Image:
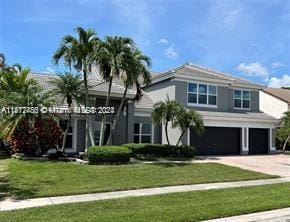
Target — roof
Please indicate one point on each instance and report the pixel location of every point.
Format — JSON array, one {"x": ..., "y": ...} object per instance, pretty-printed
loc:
[
  {"x": 95, "y": 86},
  {"x": 282, "y": 94},
  {"x": 145, "y": 102},
  {"x": 190, "y": 70},
  {"x": 242, "y": 116}
]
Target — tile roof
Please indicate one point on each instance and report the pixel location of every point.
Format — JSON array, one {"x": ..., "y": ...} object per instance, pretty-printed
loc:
[
  {"x": 95, "y": 85},
  {"x": 282, "y": 94},
  {"x": 190, "y": 69},
  {"x": 145, "y": 102}
]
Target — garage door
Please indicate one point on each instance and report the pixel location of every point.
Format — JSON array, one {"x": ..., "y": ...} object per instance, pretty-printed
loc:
[
  {"x": 217, "y": 141},
  {"x": 258, "y": 141}
]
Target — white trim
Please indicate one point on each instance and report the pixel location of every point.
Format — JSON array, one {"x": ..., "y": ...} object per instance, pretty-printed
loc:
[
  {"x": 140, "y": 134},
  {"x": 242, "y": 90},
  {"x": 197, "y": 104}
]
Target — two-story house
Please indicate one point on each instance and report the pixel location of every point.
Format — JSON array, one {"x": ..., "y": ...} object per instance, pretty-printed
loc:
[{"x": 229, "y": 106}]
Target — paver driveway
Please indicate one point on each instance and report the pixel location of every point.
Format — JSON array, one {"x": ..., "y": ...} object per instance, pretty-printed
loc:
[{"x": 269, "y": 164}]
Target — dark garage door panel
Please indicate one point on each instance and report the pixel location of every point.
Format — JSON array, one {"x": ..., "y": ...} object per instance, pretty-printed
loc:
[
  {"x": 217, "y": 141},
  {"x": 258, "y": 141}
]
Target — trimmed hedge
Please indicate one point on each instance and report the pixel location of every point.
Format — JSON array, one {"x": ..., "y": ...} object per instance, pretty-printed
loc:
[
  {"x": 108, "y": 154},
  {"x": 162, "y": 150}
]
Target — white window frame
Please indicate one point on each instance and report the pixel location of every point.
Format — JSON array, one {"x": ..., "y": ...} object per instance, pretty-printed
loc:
[
  {"x": 242, "y": 99},
  {"x": 140, "y": 132},
  {"x": 207, "y": 95}
]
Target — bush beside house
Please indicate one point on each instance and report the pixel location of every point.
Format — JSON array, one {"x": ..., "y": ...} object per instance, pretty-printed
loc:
[
  {"x": 162, "y": 150},
  {"x": 109, "y": 154}
]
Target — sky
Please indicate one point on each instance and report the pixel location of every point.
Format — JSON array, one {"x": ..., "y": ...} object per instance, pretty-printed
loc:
[{"x": 247, "y": 38}]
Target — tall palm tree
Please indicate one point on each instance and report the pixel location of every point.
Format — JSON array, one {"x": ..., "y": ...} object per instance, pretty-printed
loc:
[
  {"x": 165, "y": 112},
  {"x": 110, "y": 59},
  {"x": 78, "y": 52},
  {"x": 135, "y": 65},
  {"x": 69, "y": 88},
  {"x": 187, "y": 118}
]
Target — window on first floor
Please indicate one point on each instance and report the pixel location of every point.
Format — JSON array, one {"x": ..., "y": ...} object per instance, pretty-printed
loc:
[
  {"x": 142, "y": 133},
  {"x": 202, "y": 94},
  {"x": 69, "y": 137},
  {"x": 241, "y": 99}
]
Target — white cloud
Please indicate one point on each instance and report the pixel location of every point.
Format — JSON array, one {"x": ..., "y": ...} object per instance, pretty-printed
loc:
[
  {"x": 253, "y": 69},
  {"x": 279, "y": 82},
  {"x": 163, "y": 41},
  {"x": 49, "y": 70},
  {"x": 232, "y": 17},
  {"x": 276, "y": 65},
  {"x": 171, "y": 52}
]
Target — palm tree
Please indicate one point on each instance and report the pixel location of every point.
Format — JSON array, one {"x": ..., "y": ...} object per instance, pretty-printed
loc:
[
  {"x": 16, "y": 90},
  {"x": 110, "y": 59},
  {"x": 164, "y": 112},
  {"x": 68, "y": 87},
  {"x": 187, "y": 118},
  {"x": 135, "y": 64},
  {"x": 283, "y": 133},
  {"x": 78, "y": 52}
]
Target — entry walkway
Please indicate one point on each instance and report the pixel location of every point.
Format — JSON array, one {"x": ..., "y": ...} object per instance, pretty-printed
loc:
[
  {"x": 280, "y": 215},
  {"x": 37, "y": 202}
]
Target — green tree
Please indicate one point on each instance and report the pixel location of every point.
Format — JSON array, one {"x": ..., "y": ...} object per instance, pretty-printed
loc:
[
  {"x": 110, "y": 57},
  {"x": 69, "y": 88},
  {"x": 187, "y": 118},
  {"x": 135, "y": 65},
  {"x": 283, "y": 133},
  {"x": 78, "y": 52},
  {"x": 165, "y": 112},
  {"x": 17, "y": 90}
]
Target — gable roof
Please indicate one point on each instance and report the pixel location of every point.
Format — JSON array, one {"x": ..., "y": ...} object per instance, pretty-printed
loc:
[
  {"x": 282, "y": 94},
  {"x": 189, "y": 70}
]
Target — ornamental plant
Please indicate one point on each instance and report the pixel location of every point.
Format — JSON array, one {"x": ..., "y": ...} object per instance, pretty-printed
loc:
[{"x": 35, "y": 138}]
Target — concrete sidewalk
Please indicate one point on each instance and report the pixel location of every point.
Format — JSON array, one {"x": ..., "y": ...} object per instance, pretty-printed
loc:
[
  {"x": 280, "y": 215},
  {"x": 37, "y": 202}
]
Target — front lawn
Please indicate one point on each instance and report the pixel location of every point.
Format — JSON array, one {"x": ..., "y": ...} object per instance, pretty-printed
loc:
[
  {"x": 177, "y": 207},
  {"x": 30, "y": 179}
]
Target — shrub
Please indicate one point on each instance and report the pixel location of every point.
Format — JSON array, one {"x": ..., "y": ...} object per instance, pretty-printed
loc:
[
  {"x": 38, "y": 138},
  {"x": 108, "y": 154},
  {"x": 162, "y": 150}
]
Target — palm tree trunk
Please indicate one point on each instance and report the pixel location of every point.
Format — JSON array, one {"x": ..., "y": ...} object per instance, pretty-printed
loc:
[
  {"x": 166, "y": 132},
  {"x": 88, "y": 128},
  {"x": 109, "y": 142},
  {"x": 67, "y": 129},
  {"x": 180, "y": 137},
  {"x": 104, "y": 120},
  {"x": 285, "y": 143}
]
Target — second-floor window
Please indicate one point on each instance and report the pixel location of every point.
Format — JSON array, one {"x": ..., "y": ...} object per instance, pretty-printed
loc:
[
  {"x": 202, "y": 94},
  {"x": 241, "y": 99}
]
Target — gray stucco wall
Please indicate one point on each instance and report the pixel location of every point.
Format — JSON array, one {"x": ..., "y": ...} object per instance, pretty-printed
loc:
[
  {"x": 224, "y": 100},
  {"x": 159, "y": 85}
]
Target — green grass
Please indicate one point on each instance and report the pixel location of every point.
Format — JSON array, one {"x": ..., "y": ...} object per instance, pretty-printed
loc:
[
  {"x": 30, "y": 179},
  {"x": 189, "y": 206}
]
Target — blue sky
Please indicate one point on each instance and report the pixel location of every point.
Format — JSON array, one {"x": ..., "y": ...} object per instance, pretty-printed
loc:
[{"x": 247, "y": 38}]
